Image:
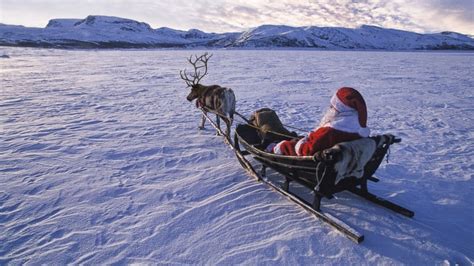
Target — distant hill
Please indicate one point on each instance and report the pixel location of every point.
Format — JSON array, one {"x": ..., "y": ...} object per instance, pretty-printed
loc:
[{"x": 114, "y": 32}]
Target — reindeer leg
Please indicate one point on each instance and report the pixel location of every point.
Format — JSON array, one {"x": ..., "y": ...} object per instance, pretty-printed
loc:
[
  {"x": 203, "y": 120},
  {"x": 228, "y": 123},
  {"x": 231, "y": 120},
  {"x": 218, "y": 122}
]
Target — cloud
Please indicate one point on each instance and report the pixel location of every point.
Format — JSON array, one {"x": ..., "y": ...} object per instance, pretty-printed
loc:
[
  {"x": 462, "y": 8},
  {"x": 454, "y": 15},
  {"x": 305, "y": 13},
  {"x": 238, "y": 15}
]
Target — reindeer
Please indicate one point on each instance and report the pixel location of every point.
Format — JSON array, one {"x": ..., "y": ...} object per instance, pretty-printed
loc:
[{"x": 215, "y": 99}]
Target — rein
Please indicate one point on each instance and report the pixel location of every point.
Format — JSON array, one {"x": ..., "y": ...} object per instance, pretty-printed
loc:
[{"x": 273, "y": 132}]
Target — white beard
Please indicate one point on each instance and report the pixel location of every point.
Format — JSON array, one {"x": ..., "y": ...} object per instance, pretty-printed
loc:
[
  {"x": 343, "y": 121},
  {"x": 329, "y": 116}
]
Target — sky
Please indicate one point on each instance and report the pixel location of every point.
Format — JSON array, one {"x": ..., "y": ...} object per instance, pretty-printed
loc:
[{"x": 423, "y": 16}]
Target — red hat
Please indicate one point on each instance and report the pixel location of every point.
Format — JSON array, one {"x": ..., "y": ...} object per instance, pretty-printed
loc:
[{"x": 348, "y": 99}]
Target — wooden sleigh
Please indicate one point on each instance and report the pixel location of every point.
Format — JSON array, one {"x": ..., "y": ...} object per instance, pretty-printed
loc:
[{"x": 317, "y": 173}]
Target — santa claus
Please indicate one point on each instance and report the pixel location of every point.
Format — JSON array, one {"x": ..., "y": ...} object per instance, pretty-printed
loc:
[{"x": 345, "y": 120}]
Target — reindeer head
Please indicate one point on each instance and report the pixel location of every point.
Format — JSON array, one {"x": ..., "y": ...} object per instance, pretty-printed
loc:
[
  {"x": 195, "y": 92},
  {"x": 198, "y": 63}
]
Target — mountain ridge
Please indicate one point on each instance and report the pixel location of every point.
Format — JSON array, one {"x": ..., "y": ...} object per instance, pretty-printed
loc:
[{"x": 114, "y": 32}]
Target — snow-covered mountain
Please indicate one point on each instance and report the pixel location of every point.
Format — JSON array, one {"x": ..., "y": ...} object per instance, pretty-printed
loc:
[
  {"x": 365, "y": 37},
  {"x": 113, "y": 32}
]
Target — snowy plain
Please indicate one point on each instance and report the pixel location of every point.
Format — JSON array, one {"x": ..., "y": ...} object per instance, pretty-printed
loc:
[{"x": 101, "y": 161}]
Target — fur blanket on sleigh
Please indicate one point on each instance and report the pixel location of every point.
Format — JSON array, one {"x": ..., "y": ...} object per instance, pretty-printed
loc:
[{"x": 354, "y": 156}]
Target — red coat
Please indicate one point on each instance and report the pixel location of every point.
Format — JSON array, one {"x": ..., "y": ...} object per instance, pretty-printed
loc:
[{"x": 321, "y": 139}]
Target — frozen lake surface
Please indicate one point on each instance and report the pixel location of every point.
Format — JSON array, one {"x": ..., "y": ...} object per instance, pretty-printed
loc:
[{"x": 101, "y": 161}]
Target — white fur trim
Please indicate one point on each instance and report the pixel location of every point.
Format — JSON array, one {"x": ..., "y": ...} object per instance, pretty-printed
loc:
[
  {"x": 277, "y": 148},
  {"x": 298, "y": 145},
  {"x": 339, "y": 105},
  {"x": 347, "y": 122}
]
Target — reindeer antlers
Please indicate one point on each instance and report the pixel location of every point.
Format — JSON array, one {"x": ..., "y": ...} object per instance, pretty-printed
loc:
[{"x": 197, "y": 63}]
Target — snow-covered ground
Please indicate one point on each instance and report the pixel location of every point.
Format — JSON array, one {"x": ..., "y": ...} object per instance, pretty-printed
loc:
[{"x": 101, "y": 161}]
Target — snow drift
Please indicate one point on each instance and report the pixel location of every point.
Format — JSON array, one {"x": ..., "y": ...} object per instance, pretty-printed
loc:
[{"x": 101, "y": 160}]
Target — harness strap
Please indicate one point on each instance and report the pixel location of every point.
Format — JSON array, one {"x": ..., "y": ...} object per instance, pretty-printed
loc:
[{"x": 201, "y": 101}]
